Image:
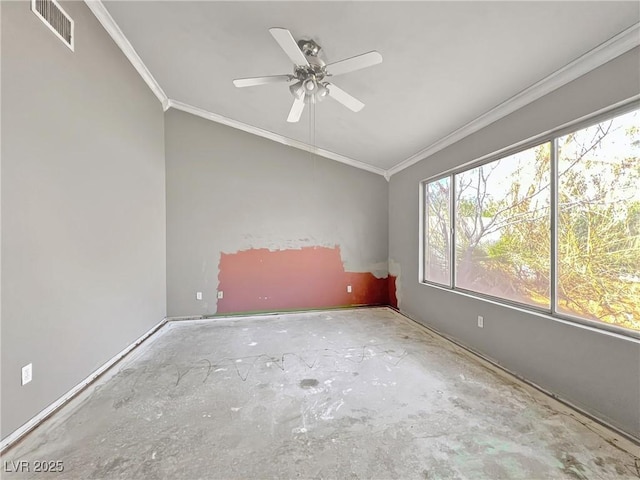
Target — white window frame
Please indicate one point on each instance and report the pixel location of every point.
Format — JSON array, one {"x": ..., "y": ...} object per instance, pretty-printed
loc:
[{"x": 551, "y": 137}]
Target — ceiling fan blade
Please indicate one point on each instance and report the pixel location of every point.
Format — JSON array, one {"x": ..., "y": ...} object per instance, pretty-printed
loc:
[
  {"x": 344, "y": 98},
  {"x": 296, "y": 110},
  {"x": 354, "y": 63},
  {"x": 289, "y": 45},
  {"x": 250, "y": 82}
]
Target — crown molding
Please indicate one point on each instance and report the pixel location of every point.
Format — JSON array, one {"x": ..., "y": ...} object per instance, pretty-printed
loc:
[
  {"x": 112, "y": 28},
  {"x": 214, "y": 117},
  {"x": 109, "y": 24},
  {"x": 603, "y": 53}
]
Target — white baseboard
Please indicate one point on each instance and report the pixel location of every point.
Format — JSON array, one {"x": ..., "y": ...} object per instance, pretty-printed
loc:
[
  {"x": 13, "y": 437},
  {"x": 185, "y": 317},
  {"x": 232, "y": 316}
]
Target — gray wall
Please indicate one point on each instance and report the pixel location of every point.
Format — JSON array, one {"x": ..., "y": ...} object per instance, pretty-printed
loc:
[
  {"x": 597, "y": 371},
  {"x": 229, "y": 191},
  {"x": 83, "y": 207}
]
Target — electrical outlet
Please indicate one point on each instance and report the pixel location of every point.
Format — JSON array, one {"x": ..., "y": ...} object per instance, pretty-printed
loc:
[
  {"x": 27, "y": 373},
  {"x": 220, "y": 295},
  {"x": 349, "y": 289},
  {"x": 198, "y": 295},
  {"x": 480, "y": 322}
]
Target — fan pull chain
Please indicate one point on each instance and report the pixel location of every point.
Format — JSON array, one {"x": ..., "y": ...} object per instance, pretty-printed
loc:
[
  {"x": 312, "y": 134},
  {"x": 312, "y": 125}
]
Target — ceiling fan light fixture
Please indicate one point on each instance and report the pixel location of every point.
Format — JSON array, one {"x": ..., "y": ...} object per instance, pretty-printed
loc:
[
  {"x": 297, "y": 89},
  {"x": 322, "y": 91},
  {"x": 309, "y": 85}
]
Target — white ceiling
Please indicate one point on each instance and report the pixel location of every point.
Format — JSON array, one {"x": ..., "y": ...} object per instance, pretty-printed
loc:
[{"x": 445, "y": 63}]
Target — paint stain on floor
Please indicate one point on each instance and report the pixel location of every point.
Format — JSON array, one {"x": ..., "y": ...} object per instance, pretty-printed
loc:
[{"x": 309, "y": 383}]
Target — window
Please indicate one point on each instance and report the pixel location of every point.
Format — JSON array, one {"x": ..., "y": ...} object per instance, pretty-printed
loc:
[
  {"x": 503, "y": 240},
  {"x": 599, "y": 222},
  {"x": 502, "y": 215},
  {"x": 437, "y": 248}
]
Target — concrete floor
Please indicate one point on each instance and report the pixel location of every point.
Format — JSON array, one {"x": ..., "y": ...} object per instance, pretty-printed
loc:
[{"x": 360, "y": 393}]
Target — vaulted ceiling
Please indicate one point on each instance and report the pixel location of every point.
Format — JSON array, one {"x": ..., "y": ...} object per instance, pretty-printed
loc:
[{"x": 445, "y": 64}]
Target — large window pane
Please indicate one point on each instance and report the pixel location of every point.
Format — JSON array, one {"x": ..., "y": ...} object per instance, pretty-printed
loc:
[
  {"x": 437, "y": 238},
  {"x": 599, "y": 222},
  {"x": 503, "y": 228}
]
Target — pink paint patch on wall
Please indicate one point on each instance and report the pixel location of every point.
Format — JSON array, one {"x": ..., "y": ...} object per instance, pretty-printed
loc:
[{"x": 310, "y": 277}]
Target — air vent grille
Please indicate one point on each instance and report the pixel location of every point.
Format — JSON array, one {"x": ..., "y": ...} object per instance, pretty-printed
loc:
[{"x": 54, "y": 17}]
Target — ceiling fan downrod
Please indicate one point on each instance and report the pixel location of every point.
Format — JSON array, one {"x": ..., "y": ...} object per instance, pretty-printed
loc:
[{"x": 309, "y": 48}]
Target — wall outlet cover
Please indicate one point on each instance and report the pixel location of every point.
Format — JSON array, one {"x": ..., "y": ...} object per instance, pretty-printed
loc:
[
  {"x": 27, "y": 373},
  {"x": 220, "y": 295},
  {"x": 480, "y": 322},
  {"x": 198, "y": 295}
]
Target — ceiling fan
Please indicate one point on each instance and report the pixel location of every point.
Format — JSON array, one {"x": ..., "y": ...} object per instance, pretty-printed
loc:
[{"x": 308, "y": 83}]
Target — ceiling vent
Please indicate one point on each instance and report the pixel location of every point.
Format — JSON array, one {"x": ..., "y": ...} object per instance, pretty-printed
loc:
[{"x": 54, "y": 17}]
